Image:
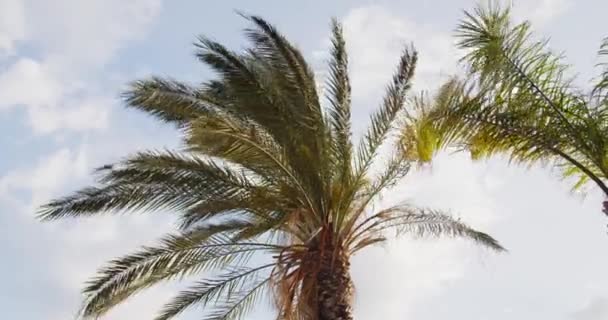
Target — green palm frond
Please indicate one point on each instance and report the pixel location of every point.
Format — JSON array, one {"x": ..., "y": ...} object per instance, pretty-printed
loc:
[
  {"x": 252, "y": 151},
  {"x": 419, "y": 138},
  {"x": 168, "y": 100},
  {"x": 271, "y": 44},
  {"x": 247, "y": 84},
  {"x": 288, "y": 71},
  {"x": 256, "y": 94},
  {"x": 517, "y": 99}
]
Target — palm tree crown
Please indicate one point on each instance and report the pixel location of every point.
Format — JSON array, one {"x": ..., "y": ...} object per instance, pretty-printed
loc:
[
  {"x": 518, "y": 99},
  {"x": 266, "y": 170}
]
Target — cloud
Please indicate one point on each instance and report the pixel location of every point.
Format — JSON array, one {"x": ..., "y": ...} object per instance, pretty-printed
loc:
[
  {"x": 376, "y": 37},
  {"x": 89, "y": 113},
  {"x": 51, "y": 173},
  {"x": 28, "y": 82},
  {"x": 540, "y": 12},
  {"x": 71, "y": 254},
  {"x": 12, "y": 25},
  {"x": 59, "y": 81},
  {"x": 103, "y": 27},
  {"x": 393, "y": 282},
  {"x": 51, "y": 104},
  {"x": 60, "y": 90},
  {"x": 597, "y": 309}
]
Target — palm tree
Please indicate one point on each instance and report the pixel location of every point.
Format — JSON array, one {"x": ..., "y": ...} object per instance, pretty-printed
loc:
[
  {"x": 267, "y": 173},
  {"x": 517, "y": 99}
]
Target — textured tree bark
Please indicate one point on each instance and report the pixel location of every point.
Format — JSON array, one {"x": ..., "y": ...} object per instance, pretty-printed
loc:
[{"x": 336, "y": 290}]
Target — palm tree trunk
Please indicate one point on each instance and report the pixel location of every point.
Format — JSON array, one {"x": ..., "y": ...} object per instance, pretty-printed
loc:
[{"x": 335, "y": 286}]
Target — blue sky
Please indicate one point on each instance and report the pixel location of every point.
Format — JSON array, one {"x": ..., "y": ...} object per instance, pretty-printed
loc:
[{"x": 63, "y": 64}]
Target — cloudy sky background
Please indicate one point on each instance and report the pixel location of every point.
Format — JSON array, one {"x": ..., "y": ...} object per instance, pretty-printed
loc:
[{"x": 63, "y": 64}]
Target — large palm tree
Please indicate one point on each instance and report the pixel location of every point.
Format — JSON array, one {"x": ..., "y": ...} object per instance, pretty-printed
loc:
[
  {"x": 267, "y": 173},
  {"x": 517, "y": 98}
]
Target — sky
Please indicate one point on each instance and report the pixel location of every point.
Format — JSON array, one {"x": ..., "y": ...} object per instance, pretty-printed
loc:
[{"x": 63, "y": 64}]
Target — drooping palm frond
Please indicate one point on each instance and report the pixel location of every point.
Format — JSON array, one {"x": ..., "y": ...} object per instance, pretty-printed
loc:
[
  {"x": 517, "y": 99},
  {"x": 230, "y": 285},
  {"x": 201, "y": 249},
  {"x": 266, "y": 171},
  {"x": 406, "y": 219}
]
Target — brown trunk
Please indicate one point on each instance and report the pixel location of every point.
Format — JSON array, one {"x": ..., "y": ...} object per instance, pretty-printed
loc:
[{"x": 335, "y": 287}]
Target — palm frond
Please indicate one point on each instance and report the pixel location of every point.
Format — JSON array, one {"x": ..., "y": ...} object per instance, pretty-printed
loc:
[
  {"x": 244, "y": 148},
  {"x": 271, "y": 43},
  {"x": 600, "y": 89},
  {"x": 393, "y": 103},
  {"x": 518, "y": 100},
  {"x": 151, "y": 181},
  {"x": 240, "y": 303},
  {"x": 225, "y": 286},
  {"x": 305, "y": 138},
  {"x": 422, "y": 222},
  {"x": 203, "y": 248},
  {"x": 424, "y": 130},
  {"x": 248, "y": 86},
  {"x": 395, "y": 169},
  {"x": 339, "y": 97},
  {"x": 168, "y": 100}
]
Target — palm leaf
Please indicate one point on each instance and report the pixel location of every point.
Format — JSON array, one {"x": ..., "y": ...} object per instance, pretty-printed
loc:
[
  {"x": 168, "y": 100},
  {"x": 203, "y": 248},
  {"x": 393, "y": 103},
  {"x": 339, "y": 98},
  {"x": 151, "y": 181},
  {"x": 205, "y": 291},
  {"x": 423, "y": 223}
]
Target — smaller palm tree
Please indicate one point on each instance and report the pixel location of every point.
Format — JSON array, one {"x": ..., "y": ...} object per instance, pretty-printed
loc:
[
  {"x": 517, "y": 99},
  {"x": 267, "y": 170}
]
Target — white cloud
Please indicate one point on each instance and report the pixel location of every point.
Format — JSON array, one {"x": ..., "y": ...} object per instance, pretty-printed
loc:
[
  {"x": 28, "y": 82},
  {"x": 78, "y": 115},
  {"x": 50, "y": 174},
  {"x": 376, "y": 37},
  {"x": 12, "y": 25},
  {"x": 59, "y": 89},
  {"x": 540, "y": 12},
  {"x": 72, "y": 254},
  {"x": 392, "y": 282},
  {"x": 103, "y": 27}
]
